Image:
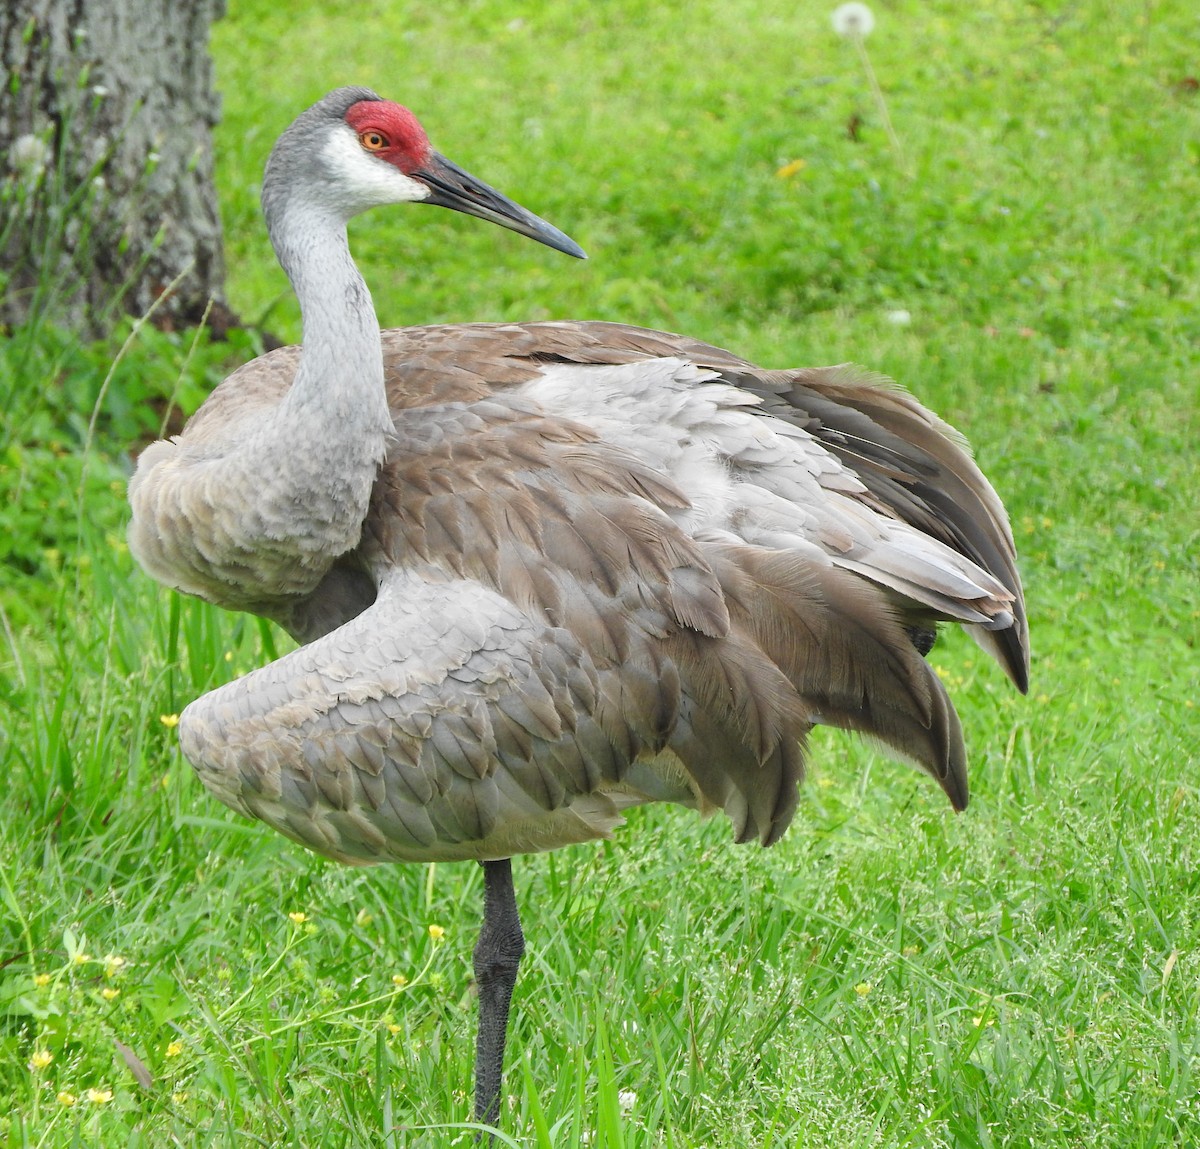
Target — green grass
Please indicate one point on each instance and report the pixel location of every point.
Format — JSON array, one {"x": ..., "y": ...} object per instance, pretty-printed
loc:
[{"x": 1027, "y": 974}]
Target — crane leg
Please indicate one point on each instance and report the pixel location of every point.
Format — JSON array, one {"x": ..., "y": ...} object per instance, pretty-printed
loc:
[{"x": 497, "y": 956}]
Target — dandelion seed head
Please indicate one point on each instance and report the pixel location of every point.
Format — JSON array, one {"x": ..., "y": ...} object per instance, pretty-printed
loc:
[
  {"x": 29, "y": 154},
  {"x": 853, "y": 19}
]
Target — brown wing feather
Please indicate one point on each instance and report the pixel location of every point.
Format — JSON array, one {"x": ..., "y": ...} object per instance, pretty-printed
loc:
[{"x": 713, "y": 655}]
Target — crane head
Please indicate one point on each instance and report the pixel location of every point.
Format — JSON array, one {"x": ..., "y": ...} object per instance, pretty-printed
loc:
[{"x": 370, "y": 151}]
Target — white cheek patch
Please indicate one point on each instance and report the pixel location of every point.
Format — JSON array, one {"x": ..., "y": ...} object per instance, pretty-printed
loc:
[{"x": 365, "y": 179}]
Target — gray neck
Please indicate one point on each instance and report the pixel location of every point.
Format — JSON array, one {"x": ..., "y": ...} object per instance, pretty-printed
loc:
[
  {"x": 324, "y": 443},
  {"x": 340, "y": 379}
]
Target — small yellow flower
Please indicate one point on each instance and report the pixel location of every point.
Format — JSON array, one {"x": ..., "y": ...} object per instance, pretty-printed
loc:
[
  {"x": 298, "y": 918},
  {"x": 363, "y": 918},
  {"x": 180, "y": 1097},
  {"x": 170, "y": 721},
  {"x": 66, "y": 1099},
  {"x": 229, "y": 656},
  {"x": 790, "y": 169},
  {"x": 437, "y": 933},
  {"x": 41, "y": 1058},
  {"x": 82, "y": 958},
  {"x": 112, "y": 963},
  {"x": 863, "y": 988},
  {"x": 41, "y": 980},
  {"x": 393, "y": 1029},
  {"x": 399, "y": 980},
  {"x": 175, "y": 1049},
  {"x": 978, "y": 1021},
  {"x": 911, "y": 951},
  {"x": 110, "y": 993},
  {"x": 99, "y": 1096}
]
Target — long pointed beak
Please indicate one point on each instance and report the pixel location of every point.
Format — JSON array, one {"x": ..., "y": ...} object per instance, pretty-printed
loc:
[{"x": 449, "y": 186}]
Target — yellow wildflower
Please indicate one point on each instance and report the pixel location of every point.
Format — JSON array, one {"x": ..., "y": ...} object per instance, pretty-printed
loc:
[
  {"x": 179, "y": 1097},
  {"x": 110, "y": 993},
  {"x": 791, "y": 169},
  {"x": 363, "y": 918},
  {"x": 863, "y": 988},
  {"x": 298, "y": 918},
  {"x": 399, "y": 980},
  {"x": 393, "y": 1029},
  {"x": 41, "y": 1058},
  {"x": 437, "y": 933},
  {"x": 66, "y": 1099},
  {"x": 112, "y": 963},
  {"x": 81, "y": 958},
  {"x": 170, "y": 721},
  {"x": 175, "y": 1049},
  {"x": 99, "y": 1096},
  {"x": 41, "y": 980}
]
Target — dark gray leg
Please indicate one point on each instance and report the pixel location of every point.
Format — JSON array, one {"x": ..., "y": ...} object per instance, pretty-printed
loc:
[{"x": 497, "y": 955}]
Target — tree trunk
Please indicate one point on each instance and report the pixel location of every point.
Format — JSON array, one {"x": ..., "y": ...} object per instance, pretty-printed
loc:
[{"x": 107, "y": 198}]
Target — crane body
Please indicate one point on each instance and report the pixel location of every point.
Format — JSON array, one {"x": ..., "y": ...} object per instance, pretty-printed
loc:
[{"x": 545, "y": 572}]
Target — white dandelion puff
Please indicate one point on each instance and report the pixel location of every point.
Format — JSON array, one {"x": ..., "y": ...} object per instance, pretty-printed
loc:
[
  {"x": 29, "y": 155},
  {"x": 853, "y": 19}
]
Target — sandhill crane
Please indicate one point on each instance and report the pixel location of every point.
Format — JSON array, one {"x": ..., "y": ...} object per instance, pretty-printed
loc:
[{"x": 545, "y": 572}]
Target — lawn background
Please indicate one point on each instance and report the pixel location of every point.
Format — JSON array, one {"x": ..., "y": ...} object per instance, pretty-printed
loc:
[{"x": 1027, "y": 974}]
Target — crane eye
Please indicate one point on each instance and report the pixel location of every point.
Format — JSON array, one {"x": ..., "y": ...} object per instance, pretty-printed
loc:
[{"x": 373, "y": 141}]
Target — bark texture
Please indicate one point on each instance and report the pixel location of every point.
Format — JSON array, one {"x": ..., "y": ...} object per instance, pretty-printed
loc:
[{"x": 106, "y": 191}]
